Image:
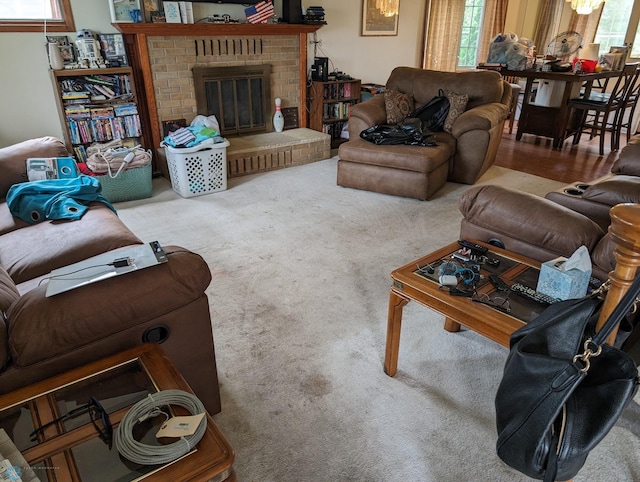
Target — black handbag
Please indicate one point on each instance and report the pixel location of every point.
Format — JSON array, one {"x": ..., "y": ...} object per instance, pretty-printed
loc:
[{"x": 563, "y": 388}]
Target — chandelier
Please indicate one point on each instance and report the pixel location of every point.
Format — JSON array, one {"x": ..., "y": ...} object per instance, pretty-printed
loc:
[
  {"x": 585, "y": 7},
  {"x": 388, "y": 8}
]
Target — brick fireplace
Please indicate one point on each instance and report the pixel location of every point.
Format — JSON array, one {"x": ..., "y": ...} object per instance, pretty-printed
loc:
[{"x": 163, "y": 57}]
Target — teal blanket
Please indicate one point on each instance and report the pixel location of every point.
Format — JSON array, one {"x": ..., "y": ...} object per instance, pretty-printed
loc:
[{"x": 54, "y": 198}]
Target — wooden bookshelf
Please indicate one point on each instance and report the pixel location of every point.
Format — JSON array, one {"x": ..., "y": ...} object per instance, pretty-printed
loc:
[
  {"x": 97, "y": 105},
  {"x": 329, "y": 106}
]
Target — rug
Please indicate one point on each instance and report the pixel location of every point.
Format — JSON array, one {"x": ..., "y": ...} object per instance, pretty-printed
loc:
[{"x": 301, "y": 274}]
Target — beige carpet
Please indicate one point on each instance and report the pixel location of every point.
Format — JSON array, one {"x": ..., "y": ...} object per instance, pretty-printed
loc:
[{"x": 299, "y": 306}]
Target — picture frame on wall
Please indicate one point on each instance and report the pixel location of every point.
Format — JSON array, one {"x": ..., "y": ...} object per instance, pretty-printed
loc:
[
  {"x": 374, "y": 23},
  {"x": 121, "y": 10}
]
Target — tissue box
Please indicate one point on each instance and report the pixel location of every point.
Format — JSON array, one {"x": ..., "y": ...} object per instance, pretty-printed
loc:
[{"x": 562, "y": 284}]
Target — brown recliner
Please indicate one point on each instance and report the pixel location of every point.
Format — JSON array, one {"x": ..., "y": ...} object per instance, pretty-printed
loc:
[
  {"x": 533, "y": 226},
  {"x": 596, "y": 198},
  {"x": 418, "y": 172}
]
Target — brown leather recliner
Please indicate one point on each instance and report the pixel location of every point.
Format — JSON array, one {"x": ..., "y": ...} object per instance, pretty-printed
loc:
[
  {"x": 596, "y": 198},
  {"x": 43, "y": 336},
  {"x": 418, "y": 172},
  {"x": 533, "y": 226}
]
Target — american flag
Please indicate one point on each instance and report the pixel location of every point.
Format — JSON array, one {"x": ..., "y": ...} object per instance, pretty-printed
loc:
[{"x": 261, "y": 12}]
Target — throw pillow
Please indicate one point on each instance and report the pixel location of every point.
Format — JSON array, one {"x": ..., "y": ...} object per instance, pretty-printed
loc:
[
  {"x": 398, "y": 105},
  {"x": 457, "y": 105}
]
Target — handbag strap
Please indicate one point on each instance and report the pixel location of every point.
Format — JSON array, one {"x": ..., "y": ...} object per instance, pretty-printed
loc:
[{"x": 618, "y": 312}]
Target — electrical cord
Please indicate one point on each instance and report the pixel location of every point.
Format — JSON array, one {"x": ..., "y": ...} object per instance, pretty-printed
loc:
[{"x": 146, "y": 454}]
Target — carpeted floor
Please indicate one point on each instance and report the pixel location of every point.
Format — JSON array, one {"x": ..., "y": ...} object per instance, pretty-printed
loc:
[{"x": 301, "y": 273}]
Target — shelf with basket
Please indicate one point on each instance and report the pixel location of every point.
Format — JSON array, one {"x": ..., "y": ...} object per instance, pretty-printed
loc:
[
  {"x": 97, "y": 105},
  {"x": 329, "y": 106}
]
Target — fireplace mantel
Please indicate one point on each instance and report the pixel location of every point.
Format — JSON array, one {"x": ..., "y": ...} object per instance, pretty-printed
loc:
[
  {"x": 135, "y": 35},
  {"x": 195, "y": 29}
]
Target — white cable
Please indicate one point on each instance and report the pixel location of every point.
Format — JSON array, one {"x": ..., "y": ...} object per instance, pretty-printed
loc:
[{"x": 145, "y": 454}]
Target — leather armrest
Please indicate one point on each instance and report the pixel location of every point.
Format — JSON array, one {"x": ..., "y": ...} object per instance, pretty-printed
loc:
[
  {"x": 366, "y": 114},
  {"x": 614, "y": 190},
  {"x": 13, "y": 167},
  {"x": 629, "y": 160},
  {"x": 531, "y": 219},
  {"x": 483, "y": 117},
  {"x": 42, "y": 328}
]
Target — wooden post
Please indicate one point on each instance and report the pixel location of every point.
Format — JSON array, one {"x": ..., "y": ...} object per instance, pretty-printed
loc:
[{"x": 625, "y": 232}]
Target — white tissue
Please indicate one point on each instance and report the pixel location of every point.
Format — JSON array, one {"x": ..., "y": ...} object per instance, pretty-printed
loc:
[{"x": 579, "y": 260}]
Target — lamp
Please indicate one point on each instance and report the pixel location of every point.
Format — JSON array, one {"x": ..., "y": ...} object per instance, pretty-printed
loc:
[
  {"x": 585, "y": 7},
  {"x": 388, "y": 8}
]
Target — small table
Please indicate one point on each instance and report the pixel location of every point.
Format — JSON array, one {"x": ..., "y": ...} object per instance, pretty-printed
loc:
[
  {"x": 412, "y": 283},
  {"x": 73, "y": 450},
  {"x": 551, "y": 121}
]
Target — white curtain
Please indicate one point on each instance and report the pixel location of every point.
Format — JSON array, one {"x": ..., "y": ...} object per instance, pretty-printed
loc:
[{"x": 443, "y": 24}]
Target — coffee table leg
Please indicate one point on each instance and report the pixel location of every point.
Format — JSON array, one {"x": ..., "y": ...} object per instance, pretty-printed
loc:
[
  {"x": 451, "y": 326},
  {"x": 394, "y": 323}
]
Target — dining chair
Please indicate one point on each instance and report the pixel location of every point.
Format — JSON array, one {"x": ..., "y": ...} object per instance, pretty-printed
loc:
[
  {"x": 626, "y": 114},
  {"x": 599, "y": 112},
  {"x": 516, "y": 89}
]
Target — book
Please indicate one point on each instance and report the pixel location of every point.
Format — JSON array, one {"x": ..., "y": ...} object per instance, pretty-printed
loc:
[
  {"x": 186, "y": 12},
  {"x": 172, "y": 12}
]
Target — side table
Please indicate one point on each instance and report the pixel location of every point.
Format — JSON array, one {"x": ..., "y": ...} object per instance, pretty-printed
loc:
[{"x": 73, "y": 450}]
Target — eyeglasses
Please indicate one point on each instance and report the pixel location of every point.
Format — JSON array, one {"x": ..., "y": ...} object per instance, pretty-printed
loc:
[
  {"x": 98, "y": 415},
  {"x": 500, "y": 303}
]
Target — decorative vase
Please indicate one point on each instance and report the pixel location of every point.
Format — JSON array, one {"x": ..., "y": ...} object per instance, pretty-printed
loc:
[
  {"x": 278, "y": 118},
  {"x": 55, "y": 57}
]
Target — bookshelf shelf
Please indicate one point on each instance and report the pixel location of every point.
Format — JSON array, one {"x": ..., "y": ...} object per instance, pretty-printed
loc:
[
  {"x": 97, "y": 105},
  {"x": 329, "y": 105}
]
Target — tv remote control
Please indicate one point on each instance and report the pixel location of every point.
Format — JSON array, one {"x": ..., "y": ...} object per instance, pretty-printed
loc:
[
  {"x": 473, "y": 246},
  {"x": 533, "y": 294}
]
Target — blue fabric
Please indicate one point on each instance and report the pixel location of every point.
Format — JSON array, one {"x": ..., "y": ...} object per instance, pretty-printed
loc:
[{"x": 54, "y": 198}]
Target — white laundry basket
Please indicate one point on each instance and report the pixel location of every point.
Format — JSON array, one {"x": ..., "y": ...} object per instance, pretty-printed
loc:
[{"x": 198, "y": 170}]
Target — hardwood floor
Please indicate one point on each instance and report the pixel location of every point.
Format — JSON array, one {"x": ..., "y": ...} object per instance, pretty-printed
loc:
[{"x": 535, "y": 155}]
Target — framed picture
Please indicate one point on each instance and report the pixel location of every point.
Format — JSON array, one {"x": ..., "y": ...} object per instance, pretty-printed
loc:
[
  {"x": 121, "y": 10},
  {"x": 152, "y": 8},
  {"x": 375, "y": 23}
]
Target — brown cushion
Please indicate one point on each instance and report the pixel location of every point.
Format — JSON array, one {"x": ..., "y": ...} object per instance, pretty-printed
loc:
[
  {"x": 8, "y": 294},
  {"x": 629, "y": 160},
  {"x": 398, "y": 105},
  {"x": 457, "y": 105},
  {"x": 615, "y": 190}
]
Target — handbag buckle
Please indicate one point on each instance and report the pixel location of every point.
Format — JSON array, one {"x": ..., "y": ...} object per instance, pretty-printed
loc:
[{"x": 586, "y": 355}]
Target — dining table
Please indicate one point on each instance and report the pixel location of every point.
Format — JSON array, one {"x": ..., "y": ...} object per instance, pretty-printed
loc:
[{"x": 550, "y": 117}]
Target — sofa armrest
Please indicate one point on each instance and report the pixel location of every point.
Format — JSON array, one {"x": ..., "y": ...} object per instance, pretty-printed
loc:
[
  {"x": 366, "y": 114},
  {"x": 529, "y": 219},
  {"x": 13, "y": 168},
  {"x": 42, "y": 328},
  {"x": 614, "y": 190},
  {"x": 483, "y": 117}
]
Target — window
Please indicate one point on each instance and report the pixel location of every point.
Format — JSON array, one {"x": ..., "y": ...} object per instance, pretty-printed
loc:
[
  {"x": 470, "y": 33},
  {"x": 32, "y": 15},
  {"x": 612, "y": 27}
]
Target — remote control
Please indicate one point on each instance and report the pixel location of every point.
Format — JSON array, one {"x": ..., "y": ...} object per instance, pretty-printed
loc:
[
  {"x": 498, "y": 282},
  {"x": 532, "y": 294},
  {"x": 473, "y": 246}
]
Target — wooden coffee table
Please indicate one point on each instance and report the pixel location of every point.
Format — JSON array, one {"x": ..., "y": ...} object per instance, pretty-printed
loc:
[
  {"x": 411, "y": 283},
  {"x": 72, "y": 450}
]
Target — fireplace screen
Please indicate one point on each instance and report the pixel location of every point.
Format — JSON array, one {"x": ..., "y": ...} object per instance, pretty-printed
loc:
[{"x": 237, "y": 96}]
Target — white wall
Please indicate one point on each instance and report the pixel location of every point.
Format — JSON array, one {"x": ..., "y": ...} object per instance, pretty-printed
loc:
[{"x": 27, "y": 101}]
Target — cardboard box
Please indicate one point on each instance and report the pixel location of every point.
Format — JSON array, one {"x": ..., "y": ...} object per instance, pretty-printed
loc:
[{"x": 560, "y": 284}]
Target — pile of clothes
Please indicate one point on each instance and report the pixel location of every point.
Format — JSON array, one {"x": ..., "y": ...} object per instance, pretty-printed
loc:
[{"x": 203, "y": 131}]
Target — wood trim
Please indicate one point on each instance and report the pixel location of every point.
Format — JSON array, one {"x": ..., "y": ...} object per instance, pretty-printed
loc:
[{"x": 213, "y": 29}]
